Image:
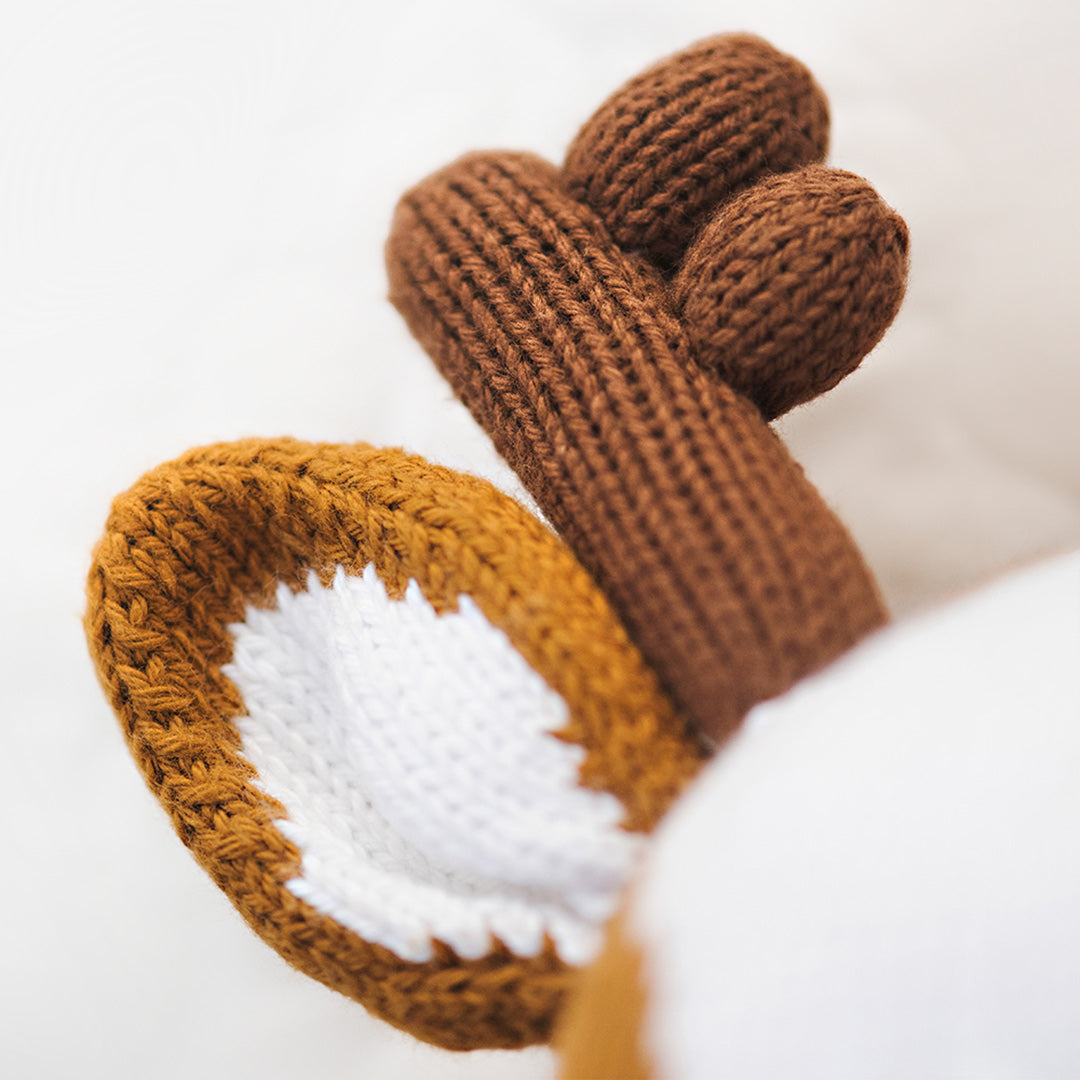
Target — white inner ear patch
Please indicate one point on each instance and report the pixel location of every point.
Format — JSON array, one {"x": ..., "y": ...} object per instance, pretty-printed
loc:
[{"x": 414, "y": 756}]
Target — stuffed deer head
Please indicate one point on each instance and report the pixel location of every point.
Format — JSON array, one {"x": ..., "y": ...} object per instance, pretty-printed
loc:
[{"x": 418, "y": 737}]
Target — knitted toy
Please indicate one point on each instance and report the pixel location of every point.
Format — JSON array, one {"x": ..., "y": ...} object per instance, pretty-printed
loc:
[
  {"x": 417, "y": 737},
  {"x": 877, "y": 878}
]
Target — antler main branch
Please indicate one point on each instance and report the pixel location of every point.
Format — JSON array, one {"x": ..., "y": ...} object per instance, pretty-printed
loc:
[{"x": 609, "y": 383}]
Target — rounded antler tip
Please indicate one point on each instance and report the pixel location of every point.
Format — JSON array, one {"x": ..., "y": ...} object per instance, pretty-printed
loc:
[
  {"x": 672, "y": 143},
  {"x": 792, "y": 283}
]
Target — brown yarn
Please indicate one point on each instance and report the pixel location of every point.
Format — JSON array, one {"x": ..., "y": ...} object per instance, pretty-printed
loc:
[
  {"x": 196, "y": 540},
  {"x": 678, "y": 139},
  {"x": 792, "y": 283},
  {"x": 729, "y": 570},
  {"x": 710, "y": 546}
]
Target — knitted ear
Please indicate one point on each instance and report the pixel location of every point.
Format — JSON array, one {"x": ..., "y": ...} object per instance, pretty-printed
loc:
[
  {"x": 728, "y": 569},
  {"x": 674, "y": 142},
  {"x": 393, "y": 718}
]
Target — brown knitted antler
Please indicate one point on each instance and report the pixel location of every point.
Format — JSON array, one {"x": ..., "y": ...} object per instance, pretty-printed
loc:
[
  {"x": 633, "y": 408},
  {"x": 673, "y": 143}
]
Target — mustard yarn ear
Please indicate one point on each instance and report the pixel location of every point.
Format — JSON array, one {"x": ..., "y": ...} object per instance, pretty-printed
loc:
[{"x": 393, "y": 718}]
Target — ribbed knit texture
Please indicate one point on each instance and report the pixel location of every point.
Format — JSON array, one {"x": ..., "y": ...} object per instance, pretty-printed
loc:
[
  {"x": 418, "y": 757},
  {"x": 727, "y": 567},
  {"x": 674, "y": 142},
  {"x": 792, "y": 283},
  {"x": 554, "y": 303},
  {"x": 198, "y": 540}
]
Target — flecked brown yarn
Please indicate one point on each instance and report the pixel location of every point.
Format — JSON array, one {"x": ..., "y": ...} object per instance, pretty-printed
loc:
[
  {"x": 730, "y": 572},
  {"x": 678, "y": 139},
  {"x": 727, "y": 567},
  {"x": 792, "y": 283},
  {"x": 721, "y": 560},
  {"x": 196, "y": 540}
]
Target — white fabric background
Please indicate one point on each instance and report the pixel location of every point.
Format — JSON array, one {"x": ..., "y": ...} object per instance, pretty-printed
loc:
[{"x": 193, "y": 200}]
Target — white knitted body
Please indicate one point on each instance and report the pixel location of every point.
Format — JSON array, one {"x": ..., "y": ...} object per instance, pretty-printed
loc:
[
  {"x": 414, "y": 755},
  {"x": 879, "y": 878}
]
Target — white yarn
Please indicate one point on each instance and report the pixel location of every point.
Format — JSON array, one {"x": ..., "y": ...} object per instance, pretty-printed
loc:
[
  {"x": 414, "y": 756},
  {"x": 879, "y": 877}
]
